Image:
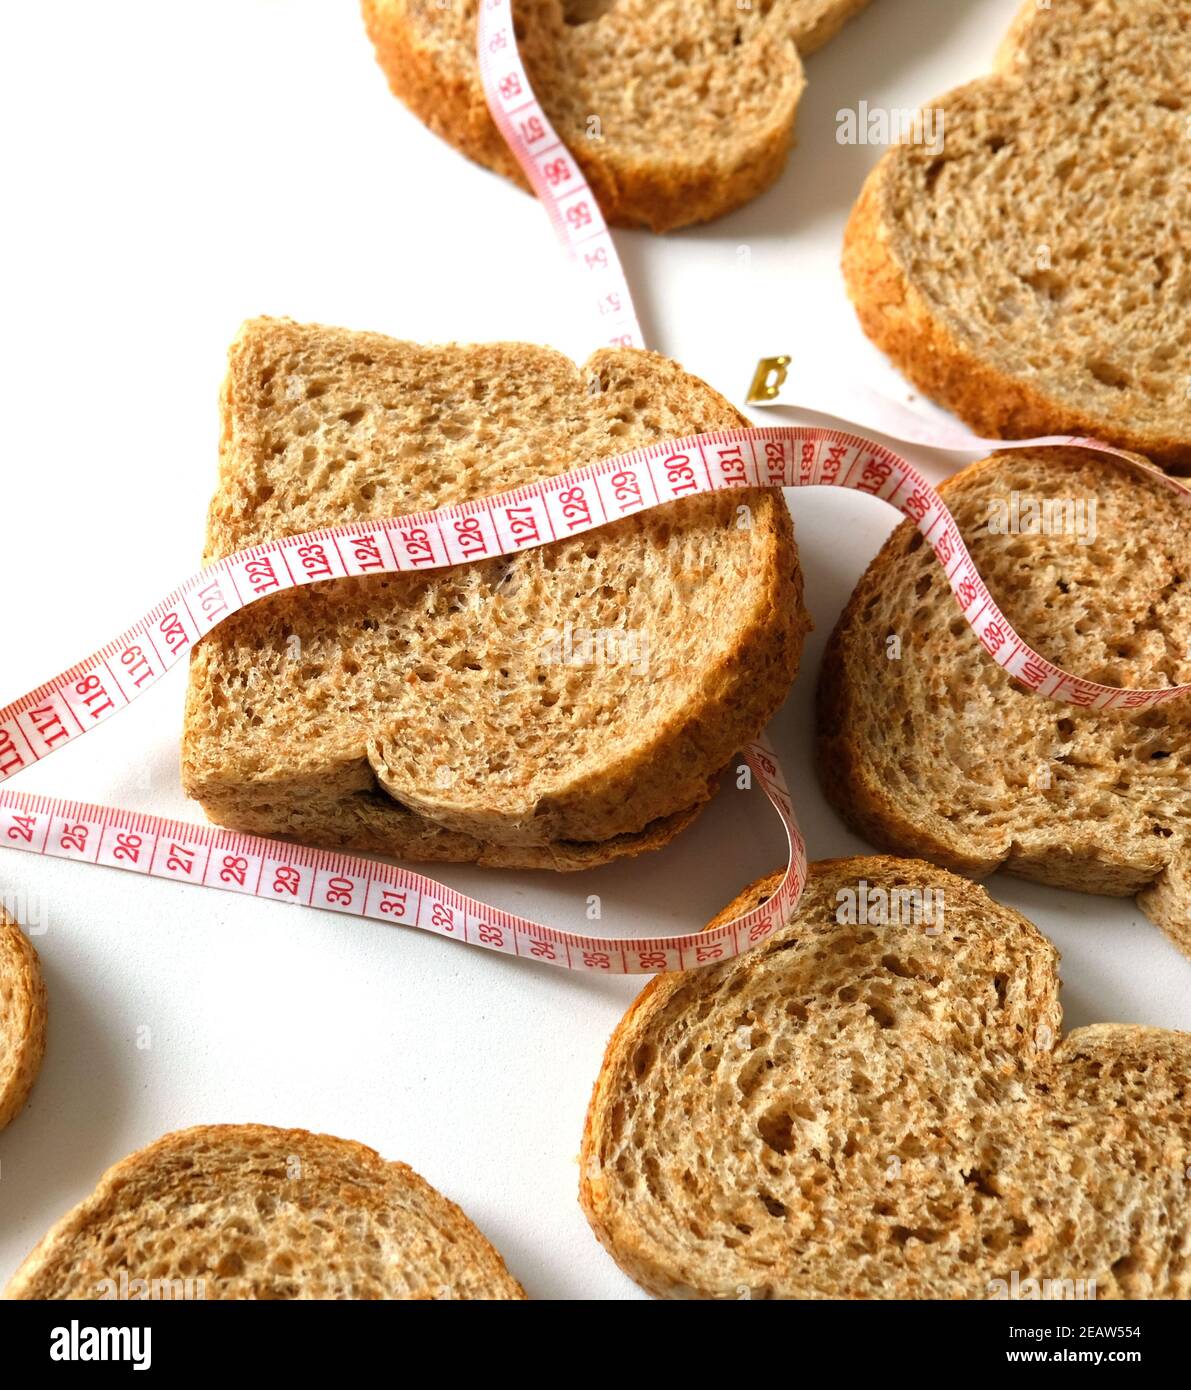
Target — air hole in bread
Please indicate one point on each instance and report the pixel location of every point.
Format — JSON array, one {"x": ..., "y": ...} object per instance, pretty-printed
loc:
[
  {"x": 776, "y": 1128},
  {"x": 577, "y": 12},
  {"x": 880, "y": 1012},
  {"x": 772, "y": 1205},
  {"x": 1107, "y": 374},
  {"x": 933, "y": 170}
]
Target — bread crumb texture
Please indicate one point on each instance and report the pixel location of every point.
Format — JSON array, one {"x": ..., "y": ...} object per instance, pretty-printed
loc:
[
  {"x": 1033, "y": 275},
  {"x": 252, "y": 1212},
  {"x": 676, "y": 111},
  {"x": 441, "y": 715},
  {"x": 875, "y": 1111},
  {"x": 940, "y": 753},
  {"x": 22, "y": 1018}
]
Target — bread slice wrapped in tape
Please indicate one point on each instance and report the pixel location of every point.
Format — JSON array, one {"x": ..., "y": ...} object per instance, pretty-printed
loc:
[{"x": 557, "y": 708}]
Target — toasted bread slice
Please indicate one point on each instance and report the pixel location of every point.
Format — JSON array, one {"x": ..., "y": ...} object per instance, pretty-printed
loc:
[
  {"x": 444, "y": 715},
  {"x": 22, "y": 1018},
  {"x": 677, "y": 113},
  {"x": 876, "y": 1104},
  {"x": 1031, "y": 274},
  {"x": 939, "y": 753},
  {"x": 253, "y": 1212}
]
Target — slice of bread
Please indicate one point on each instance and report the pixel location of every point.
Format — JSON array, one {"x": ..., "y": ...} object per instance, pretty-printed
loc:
[
  {"x": 22, "y": 1018},
  {"x": 443, "y": 715},
  {"x": 253, "y": 1212},
  {"x": 868, "y": 1108},
  {"x": 677, "y": 112},
  {"x": 938, "y": 752},
  {"x": 1031, "y": 274}
]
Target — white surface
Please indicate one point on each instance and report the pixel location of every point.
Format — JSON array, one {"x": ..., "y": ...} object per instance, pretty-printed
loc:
[{"x": 169, "y": 170}]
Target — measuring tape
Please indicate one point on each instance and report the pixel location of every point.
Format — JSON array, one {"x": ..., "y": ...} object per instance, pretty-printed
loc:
[
  {"x": 555, "y": 176},
  {"x": 82, "y": 698}
]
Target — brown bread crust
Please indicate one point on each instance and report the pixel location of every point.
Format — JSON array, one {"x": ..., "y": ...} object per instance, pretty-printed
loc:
[
  {"x": 866, "y": 1110},
  {"x": 427, "y": 55},
  {"x": 255, "y": 1212},
  {"x": 22, "y": 1018},
  {"x": 937, "y": 754},
  {"x": 917, "y": 207}
]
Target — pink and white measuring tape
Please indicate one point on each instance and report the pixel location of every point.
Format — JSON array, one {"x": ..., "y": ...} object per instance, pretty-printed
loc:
[
  {"x": 555, "y": 176},
  {"x": 88, "y": 694},
  {"x": 79, "y": 700}
]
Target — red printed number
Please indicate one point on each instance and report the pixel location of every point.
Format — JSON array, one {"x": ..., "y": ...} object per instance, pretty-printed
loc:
[
  {"x": 314, "y": 561},
  {"x": 10, "y": 757},
  {"x": 74, "y": 837},
  {"x": 442, "y": 918},
  {"x": 339, "y": 891},
  {"x": 48, "y": 723},
  {"x": 136, "y": 665},
  {"x": 679, "y": 473},
  {"x": 471, "y": 538},
  {"x": 522, "y": 526},
  {"x": 652, "y": 960},
  {"x": 367, "y": 552},
  {"x": 574, "y": 507},
  {"x": 180, "y": 860},
  {"x": 174, "y": 633},
  {"x": 211, "y": 600},
  {"x": 260, "y": 575},
  {"x": 235, "y": 870},
  {"x": 286, "y": 880},
  {"x": 22, "y": 829},
  {"x": 128, "y": 848},
  {"x": 417, "y": 546},
  {"x": 94, "y": 696}
]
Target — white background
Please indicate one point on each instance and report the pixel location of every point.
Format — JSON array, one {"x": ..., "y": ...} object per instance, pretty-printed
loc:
[{"x": 169, "y": 170}]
